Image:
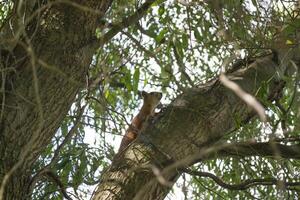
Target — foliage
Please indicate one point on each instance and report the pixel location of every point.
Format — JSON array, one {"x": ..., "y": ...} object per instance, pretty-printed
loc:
[{"x": 173, "y": 47}]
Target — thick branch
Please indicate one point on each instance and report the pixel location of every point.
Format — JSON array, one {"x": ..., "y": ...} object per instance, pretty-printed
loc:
[
  {"x": 197, "y": 118},
  {"x": 265, "y": 149},
  {"x": 244, "y": 185},
  {"x": 268, "y": 149}
]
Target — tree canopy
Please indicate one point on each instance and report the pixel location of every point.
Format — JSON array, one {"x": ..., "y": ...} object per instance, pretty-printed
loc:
[{"x": 71, "y": 72}]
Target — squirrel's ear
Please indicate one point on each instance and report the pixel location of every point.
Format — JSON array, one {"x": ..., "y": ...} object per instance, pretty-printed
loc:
[
  {"x": 144, "y": 94},
  {"x": 140, "y": 94}
]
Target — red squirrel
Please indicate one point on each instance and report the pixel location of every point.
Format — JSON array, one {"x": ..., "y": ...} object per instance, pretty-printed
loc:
[{"x": 151, "y": 101}]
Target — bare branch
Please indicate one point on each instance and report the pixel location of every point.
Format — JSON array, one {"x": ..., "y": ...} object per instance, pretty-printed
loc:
[
  {"x": 54, "y": 159},
  {"x": 264, "y": 149},
  {"x": 181, "y": 65},
  {"x": 134, "y": 18},
  {"x": 245, "y": 184},
  {"x": 58, "y": 182}
]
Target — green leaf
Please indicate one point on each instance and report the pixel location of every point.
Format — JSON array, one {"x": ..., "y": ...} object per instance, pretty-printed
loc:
[
  {"x": 136, "y": 79},
  {"x": 161, "y": 35},
  {"x": 254, "y": 3},
  {"x": 197, "y": 34},
  {"x": 179, "y": 48},
  {"x": 158, "y": 2},
  {"x": 161, "y": 10},
  {"x": 78, "y": 176},
  {"x": 64, "y": 128},
  {"x": 185, "y": 41}
]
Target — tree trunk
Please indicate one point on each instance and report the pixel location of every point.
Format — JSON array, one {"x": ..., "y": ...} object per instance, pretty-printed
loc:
[
  {"x": 44, "y": 59},
  {"x": 177, "y": 136}
]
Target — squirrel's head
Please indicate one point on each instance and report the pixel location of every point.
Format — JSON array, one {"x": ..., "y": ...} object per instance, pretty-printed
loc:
[{"x": 151, "y": 98}]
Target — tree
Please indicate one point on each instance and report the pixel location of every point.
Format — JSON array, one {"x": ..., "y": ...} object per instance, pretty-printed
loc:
[{"x": 228, "y": 71}]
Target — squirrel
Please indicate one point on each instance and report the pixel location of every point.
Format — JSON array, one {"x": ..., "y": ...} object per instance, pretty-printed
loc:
[{"x": 150, "y": 101}]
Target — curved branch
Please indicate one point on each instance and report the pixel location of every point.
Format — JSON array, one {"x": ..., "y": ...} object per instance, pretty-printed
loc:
[
  {"x": 55, "y": 157},
  {"x": 242, "y": 186},
  {"x": 235, "y": 149},
  {"x": 56, "y": 180},
  {"x": 242, "y": 149},
  {"x": 259, "y": 149},
  {"x": 126, "y": 22}
]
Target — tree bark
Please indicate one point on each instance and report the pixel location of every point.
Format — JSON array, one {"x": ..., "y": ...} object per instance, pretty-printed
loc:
[
  {"x": 175, "y": 138},
  {"x": 45, "y": 52}
]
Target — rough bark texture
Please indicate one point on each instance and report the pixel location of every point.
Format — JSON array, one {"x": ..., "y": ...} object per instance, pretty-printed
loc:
[
  {"x": 196, "y": 119},
  {"x": 45, "y": 61}
]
